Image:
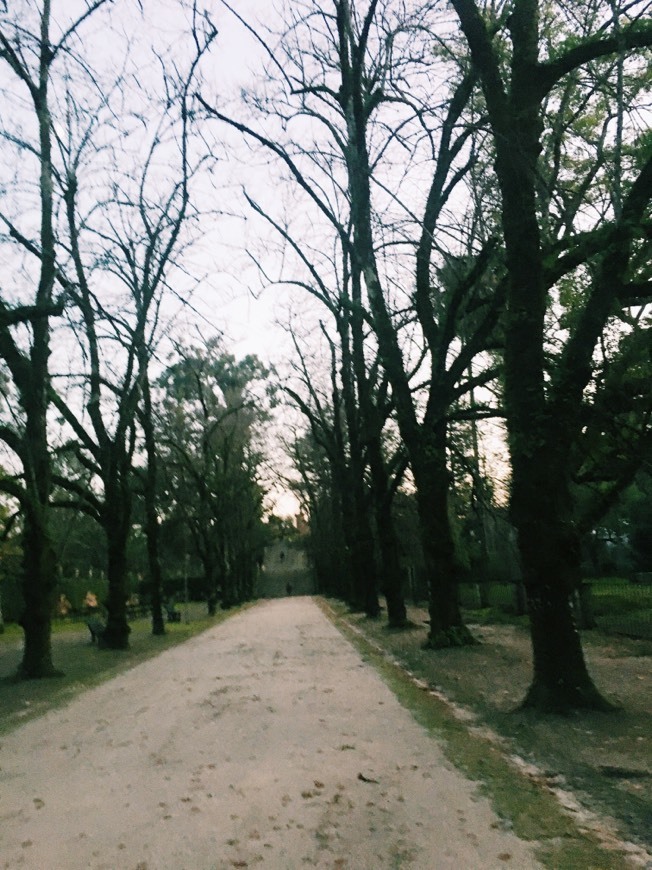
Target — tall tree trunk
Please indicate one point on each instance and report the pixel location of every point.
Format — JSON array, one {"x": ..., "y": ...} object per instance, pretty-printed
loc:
[
  {"x": 432, "y": 479},
  {"x": 364, "y": 562},
  {"x": 218, "y": 577},
  {"x": 539, "y": 482},
  {"x": 551, "y": 557},
  {"x": 539, "y": 509},
  {"x": 39, "y": 561},
  {"x": 33, "y": 380},
  {"x": 39, "y": 583},
  {"x": 390, "y": 566},
  {"x": 117, "y": 527},
  {"x": 333, "y": 564},
  {"x": 351, "y": 466},
  {"x": 354, "y": 101},
  {"x": 362, "y": 552},
  {"x": 355, "y": 586},
  {"x": 152, "y": 528},
  {"x": 538, "y": 445}
]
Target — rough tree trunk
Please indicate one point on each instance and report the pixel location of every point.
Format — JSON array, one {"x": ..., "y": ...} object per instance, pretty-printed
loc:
[
  {"x": 152, "y": 528},
  {"x": 33, "y": 381},
  {"x": 363, "y": 592},
  {"x": 551, "y": 559},
  {"x": 39, "y": 584},
  {"x": 39, "y": 561},
  {"x": 155, "y": 576},
  {"x": 117, "y": 526},
  {"x": 539, "y": 446},
  {"x": 391, "y": 580},
  {"x": 432, "y": 480},
  {"x": 364, "y": 557}
]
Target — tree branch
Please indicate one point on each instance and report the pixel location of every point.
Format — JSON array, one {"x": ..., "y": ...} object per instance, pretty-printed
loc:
[{"x": 636, "y": 35}]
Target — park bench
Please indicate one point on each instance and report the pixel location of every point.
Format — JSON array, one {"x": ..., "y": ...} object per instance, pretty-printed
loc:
[
  {"x": 97, "y": 627},
  {"x": 173, "y": 615}
]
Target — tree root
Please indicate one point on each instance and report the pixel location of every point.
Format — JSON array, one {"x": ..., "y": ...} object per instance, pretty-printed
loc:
[
  {"x": 456, "y": 635},
  {"x": 564, "y": 698}
]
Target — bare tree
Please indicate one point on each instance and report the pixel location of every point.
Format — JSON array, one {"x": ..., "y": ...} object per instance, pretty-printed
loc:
[
  {"x": 348, "y": 424},
  {"x": 32, "y": 48},
  {"x": 356, "y": 76},
  {"x": 132, "y": 241}
]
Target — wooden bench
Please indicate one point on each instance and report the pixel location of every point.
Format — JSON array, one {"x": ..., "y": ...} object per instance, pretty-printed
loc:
[{"x": 97, "y": 627}]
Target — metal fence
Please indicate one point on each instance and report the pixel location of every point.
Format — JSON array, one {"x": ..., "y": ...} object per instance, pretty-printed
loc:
[
  {"x": 622, "y": 607},
  {"x": 613, "y": 605}
]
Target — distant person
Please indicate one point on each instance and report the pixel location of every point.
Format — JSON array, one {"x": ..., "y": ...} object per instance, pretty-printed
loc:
[
  {"x": 281, "y": 556},
  {"x": 288, "y": 589}
]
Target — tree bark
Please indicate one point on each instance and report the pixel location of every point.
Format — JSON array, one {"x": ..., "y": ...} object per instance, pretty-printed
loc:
[
  {"x": 432, "y": 479},
  {"x": 152, "y": 528},
  {"x": 39, "y": 584},
  {"x": 117, "y": 527},
  {"x": 539, "y": 445},
  {"x": 561, "y": 680},
  {"x": 39, "y": 579},
  {"x": 391, "y": 581},
  {"x": 362, "y": 594},
  {"x": 364, "y": 563},
  {"x": 430, "y": 475}
]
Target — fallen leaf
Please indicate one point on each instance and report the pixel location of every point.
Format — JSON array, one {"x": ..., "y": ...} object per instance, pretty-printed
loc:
[{"x": 364, "y": 778}]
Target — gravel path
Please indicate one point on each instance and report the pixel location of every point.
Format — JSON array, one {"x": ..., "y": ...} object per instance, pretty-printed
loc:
[{"x": 264, "y": 741}]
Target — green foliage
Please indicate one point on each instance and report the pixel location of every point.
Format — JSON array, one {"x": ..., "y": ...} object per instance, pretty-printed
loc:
[
  {"x": 11, "y": 553},
  {"x": 499, "y": 597},
  {"x": 10, "y": 584},
  {"x": 212, "y": 412},
  {"x": 618, "y": 598},
  {"x": 624, "y": 533},
  {"x": 76, "y": 539},
  {"x": 75, "y": 587},
  {"x": 279, "y": 528}
]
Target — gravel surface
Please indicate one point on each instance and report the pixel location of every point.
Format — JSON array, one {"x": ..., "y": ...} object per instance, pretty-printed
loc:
[{"x": 264, "y": 741}]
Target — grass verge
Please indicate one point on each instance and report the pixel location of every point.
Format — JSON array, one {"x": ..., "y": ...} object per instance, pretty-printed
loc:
[
  {"x": 83, "y": 665},
  {"x": 523, "y": 802}
]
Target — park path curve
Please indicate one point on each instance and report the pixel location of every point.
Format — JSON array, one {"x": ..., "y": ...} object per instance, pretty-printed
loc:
[{"x": 265, "y": 741}]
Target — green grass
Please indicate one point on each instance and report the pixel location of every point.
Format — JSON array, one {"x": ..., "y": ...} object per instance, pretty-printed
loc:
[
  {"x": 618, "y": 605},
  {"x": 621, "y": 600},
  {"x": 83, "y": 665},
  {"x": 531, "y": 810},
  {"x": 499, "y": 596},
  {"x": 494, "y": 616}
]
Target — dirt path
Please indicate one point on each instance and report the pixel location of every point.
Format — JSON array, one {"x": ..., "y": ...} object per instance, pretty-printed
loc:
[{"x": 266, "y": 740}]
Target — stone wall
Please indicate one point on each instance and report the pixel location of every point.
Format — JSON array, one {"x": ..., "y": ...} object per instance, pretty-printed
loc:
[{"x": 285, "y": 571}]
